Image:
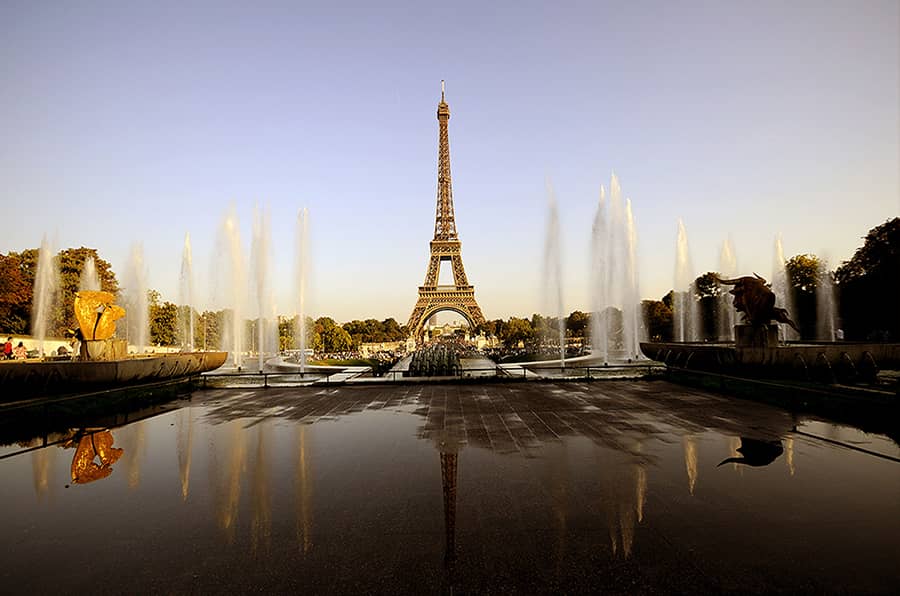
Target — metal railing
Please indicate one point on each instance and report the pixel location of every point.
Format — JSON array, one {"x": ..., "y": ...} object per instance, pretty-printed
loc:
[{"x": 507, "y": 372}]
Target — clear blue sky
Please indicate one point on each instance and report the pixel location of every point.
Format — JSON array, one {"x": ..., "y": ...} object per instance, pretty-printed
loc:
[{"x": 124, "y": 122}]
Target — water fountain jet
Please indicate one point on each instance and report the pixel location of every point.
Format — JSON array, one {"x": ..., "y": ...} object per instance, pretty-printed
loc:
[
  {"x": 89, "y": 279},
  {"x": 46, "y": 293},
  {"x": 301, "y": 272},
  {"x": 186, "y": 295},
  {"x": 552, "y": 289}
]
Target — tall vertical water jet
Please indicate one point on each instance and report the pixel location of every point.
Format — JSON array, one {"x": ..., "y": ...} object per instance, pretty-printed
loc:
[
  {"x": 230, "y": 285},
  {"x": 599, "y": 281},
  {"x": 260, "y": 256},
  {"x": 89, "y": 281},
  {"x": 301, "y": 272},
  {"x": 186, "y": 296},
  {"x": 631, "y": 307},
  {"x": 686, "y": 313},
  {"x": 552, "y": 289},
  {"x": 46, "y": 293},
  {"x": 825, "y": 304},
  {"x": 781, "y": 286},
  {"x": 615, "y": 269},
  {"x": 728, "y": 269},
  {"x": 614, "y": 278},
  {"x": 137, "y": 309}
]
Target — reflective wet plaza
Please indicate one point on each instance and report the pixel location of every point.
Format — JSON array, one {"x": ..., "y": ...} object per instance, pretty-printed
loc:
[{"x": 621, "y": 486}]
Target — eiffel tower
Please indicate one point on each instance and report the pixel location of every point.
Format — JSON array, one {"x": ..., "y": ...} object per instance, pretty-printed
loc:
[{"x": 460, "y": 297}]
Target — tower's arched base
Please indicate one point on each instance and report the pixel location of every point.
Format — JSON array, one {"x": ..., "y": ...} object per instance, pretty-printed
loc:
[{"x": 436, "y": 299}]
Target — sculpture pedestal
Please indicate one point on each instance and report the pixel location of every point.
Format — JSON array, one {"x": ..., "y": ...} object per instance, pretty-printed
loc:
[
  {"x": 755, "y": 345},
  {"x": 103, "y": 349},
  {"x": 748, "y": 336}
]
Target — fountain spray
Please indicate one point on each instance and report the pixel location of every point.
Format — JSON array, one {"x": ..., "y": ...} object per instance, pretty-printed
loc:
[
  {"x": 301, "y": 272},
  {"x": 552, "y": 290},
  {"x": 46, "y": 292}
]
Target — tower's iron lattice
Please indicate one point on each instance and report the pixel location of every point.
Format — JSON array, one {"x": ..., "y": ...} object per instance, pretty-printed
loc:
[{"x": 460, "y": 297}]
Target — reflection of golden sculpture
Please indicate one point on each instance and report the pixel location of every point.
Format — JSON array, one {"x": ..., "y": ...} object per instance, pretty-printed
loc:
[
  {"x": 97, "y": 314},
  {"x": 90, "y": 447}
]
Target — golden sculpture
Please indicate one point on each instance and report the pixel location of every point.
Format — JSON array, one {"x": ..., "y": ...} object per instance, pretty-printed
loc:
[
  {"x": 96, "y": 314},
  {"x": 92, "y": 446}
]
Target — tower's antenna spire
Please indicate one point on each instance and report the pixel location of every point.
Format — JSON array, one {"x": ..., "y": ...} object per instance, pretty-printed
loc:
[{"x": 442, "y": 89}]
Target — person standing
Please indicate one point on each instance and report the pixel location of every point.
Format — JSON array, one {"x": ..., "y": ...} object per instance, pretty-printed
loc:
[{"x": 7, "y": 349}]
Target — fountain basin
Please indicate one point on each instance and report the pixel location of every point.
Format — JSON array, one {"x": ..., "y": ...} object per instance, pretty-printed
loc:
[
  {"x": 831, "y": 362},
  {"x": 43, "y": 378}
]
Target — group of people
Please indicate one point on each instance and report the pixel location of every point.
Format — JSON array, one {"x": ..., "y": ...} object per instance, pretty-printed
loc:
[{"x": 14, "y": 353}]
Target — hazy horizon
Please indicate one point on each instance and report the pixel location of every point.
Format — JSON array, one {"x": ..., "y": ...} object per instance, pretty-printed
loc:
[{"x": 134, "y": 123}]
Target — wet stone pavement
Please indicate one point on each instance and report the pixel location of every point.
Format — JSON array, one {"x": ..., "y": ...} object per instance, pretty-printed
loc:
[{"x": 625, "y": 487}]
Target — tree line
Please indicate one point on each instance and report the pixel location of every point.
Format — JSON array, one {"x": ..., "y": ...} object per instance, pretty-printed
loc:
[{"x": 868, "y": 286}]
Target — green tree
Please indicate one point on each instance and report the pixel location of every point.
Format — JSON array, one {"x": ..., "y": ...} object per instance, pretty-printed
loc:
[
  {"x": 207, "y": 333},
  {"x": 870, "y": 284},
  {"x": 286, "y": 333},
  {"x": 183, "y": 335},
  {"x": 16, "y": 293},
  {"x": 706, "y": 293},
  {"x": 516, "y": 330},
  {"x": 163, "y": 318},
  {"x": 577, "y": 323},
  {"x": 803, "y": 275},
  {"x": 332, "y": 335},
  {"x": 659, "y": 319}
]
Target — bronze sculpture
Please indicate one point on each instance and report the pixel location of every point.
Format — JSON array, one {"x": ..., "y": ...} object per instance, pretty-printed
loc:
[{"x": 755, "y": 299}]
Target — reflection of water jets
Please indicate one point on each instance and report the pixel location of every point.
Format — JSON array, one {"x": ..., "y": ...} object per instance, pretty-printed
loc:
[
  {"x": 625, "y": 486},
  {"x": 640, "y": 491},
  {"x": 626, "y": 527},
  {"x": 690, "y": 461},
  {"x": 261, "y": 525},
  {"x": 789, "y": 454},
  {"x": 560, "y": 484},
  {"x": 734, "y": 444},
  {"x": 755, "y": 452},
  {"x": 40, "y": 469},
  {"x": 133, "y": 443},
  {"x": 184, "y": 448},
  {"x": 230, "y": 497},
  {"x": 448, "y": 485},
  {"x": 303, "y": 494}
]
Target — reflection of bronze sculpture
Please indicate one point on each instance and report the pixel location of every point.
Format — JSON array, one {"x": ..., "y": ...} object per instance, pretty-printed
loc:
[
  {"x": 756, "y": 452},
  {"x": 92, "y": 446},
  {"x": 754, "y": 298}
]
